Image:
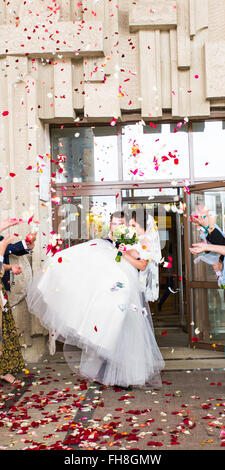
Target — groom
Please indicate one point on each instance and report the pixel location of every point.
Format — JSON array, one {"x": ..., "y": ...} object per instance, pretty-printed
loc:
[{"x": 116, "y": 219}]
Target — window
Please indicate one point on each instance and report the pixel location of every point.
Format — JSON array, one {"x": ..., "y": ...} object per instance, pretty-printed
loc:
[
  {"x": 85, "y": 217},
  {"x": 155, "y": 152},
  {"x": 209, "y": 149},
  {"x": 138, "y": 152},
  {"x": 84, "y": 154}
]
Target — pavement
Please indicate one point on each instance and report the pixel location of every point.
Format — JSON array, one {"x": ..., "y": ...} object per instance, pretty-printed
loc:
[{"x": 57, "y": 409}]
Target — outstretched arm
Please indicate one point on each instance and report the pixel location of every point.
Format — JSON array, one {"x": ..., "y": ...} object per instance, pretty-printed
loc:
[
  {"x": 9, "y": 222},
  {"x": 201, "y": 247},
  {"x": 15, "y": 268}
]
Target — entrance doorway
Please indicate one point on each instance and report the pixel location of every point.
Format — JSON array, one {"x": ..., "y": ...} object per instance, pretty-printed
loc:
[
  {"x": 86, "y": 214},
  {"x": 206, "y": 302},
  {"x": 169, "y": 312}
]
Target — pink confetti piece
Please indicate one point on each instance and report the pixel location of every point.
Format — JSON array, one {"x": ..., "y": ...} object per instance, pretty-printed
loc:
[
  {"x": 30, "y": 219},
  {"x": 113, "y": 122}
]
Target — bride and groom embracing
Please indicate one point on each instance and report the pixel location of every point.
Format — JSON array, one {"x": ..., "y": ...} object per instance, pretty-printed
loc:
[{"x": 86, "y": 298}]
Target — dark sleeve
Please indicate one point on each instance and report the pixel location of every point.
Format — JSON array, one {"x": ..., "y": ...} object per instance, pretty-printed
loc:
[
  {"x": 15, "y": 249},
  {"x": 1, "y": 265},
  {"x": 215, "y": 237}
]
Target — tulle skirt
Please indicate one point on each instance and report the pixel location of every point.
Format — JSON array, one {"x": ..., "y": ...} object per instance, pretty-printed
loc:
[{"x": 87, "y": 299}]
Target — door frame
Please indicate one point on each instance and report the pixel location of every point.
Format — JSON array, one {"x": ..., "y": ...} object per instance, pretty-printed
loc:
[{"x": 190, "y": 285}]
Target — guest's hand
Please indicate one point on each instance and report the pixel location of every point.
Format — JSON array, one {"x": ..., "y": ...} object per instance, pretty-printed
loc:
[
  {"x": 4, "y": 243},
  {"x": 16, "y": 269},
  {"x": 218, "y": 267},
  {"x": 9, "y": 222},
  {"x": 204, "y": 217},
  {"x": 198, "y": 248},
  {"x": 30, "y": 240}
]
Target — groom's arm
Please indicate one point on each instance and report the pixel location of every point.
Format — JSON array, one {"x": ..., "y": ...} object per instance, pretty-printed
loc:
[{"x": 18, "y": 249}]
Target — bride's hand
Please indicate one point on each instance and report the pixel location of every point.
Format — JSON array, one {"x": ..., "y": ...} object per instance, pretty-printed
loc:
[{"x": 122, "y": 247}]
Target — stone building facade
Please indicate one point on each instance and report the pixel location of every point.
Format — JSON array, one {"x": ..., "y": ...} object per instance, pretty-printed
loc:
[{"x": 103, "y": 60}]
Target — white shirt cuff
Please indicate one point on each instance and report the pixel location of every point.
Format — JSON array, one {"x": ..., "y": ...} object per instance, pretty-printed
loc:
[{"x": 1, "y": 259}]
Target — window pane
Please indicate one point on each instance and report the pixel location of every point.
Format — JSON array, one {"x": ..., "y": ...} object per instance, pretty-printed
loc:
[
  {"x": 151, "y": 153},
  {"x": 209, "y": 149},
  {"x": 209, "y": 308},
  {"x": 214, "y": 200},
  {"x": 84, "y": 154},
  {"x": 85, "y": 217}
]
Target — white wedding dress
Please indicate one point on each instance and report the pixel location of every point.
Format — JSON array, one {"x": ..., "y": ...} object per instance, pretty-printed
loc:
[{"x": 91, "y": 301}]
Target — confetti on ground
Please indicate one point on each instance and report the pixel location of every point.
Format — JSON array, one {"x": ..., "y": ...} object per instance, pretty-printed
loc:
[{"x": 57, "y": 409}]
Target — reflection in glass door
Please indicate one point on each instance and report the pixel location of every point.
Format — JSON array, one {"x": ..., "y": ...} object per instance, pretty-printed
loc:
[
  {"x": 206, "y": 302},
  {"x": 83, "y": 217}
]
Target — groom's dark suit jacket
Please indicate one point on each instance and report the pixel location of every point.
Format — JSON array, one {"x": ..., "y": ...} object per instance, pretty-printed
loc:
[
  {"x": 111, "y": 241},
  {"x": 12, "y": 249}
]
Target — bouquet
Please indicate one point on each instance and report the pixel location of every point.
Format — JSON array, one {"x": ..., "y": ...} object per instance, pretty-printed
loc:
[{"x": 126, "y": 235}]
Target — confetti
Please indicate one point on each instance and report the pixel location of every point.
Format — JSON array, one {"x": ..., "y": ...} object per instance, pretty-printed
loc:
[
  {"x": 30, "y": 219},
  {"x": 113, "y": 122}
]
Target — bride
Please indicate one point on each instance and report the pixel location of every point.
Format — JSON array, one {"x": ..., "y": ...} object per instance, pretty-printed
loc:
[{"x": 89, "y": 300}]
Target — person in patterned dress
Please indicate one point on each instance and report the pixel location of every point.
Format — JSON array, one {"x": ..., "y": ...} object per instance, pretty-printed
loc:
[{"x": 11, "y": 358}]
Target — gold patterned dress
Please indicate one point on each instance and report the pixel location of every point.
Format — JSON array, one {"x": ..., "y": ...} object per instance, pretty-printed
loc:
[{"x": 11, "y": 359}]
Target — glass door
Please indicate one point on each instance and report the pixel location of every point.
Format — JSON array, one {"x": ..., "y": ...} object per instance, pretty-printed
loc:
[
  {"x": 84, "y": 215},
  {"x": 169, "y": 310},
  {"x": 205, "y": 301}
]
